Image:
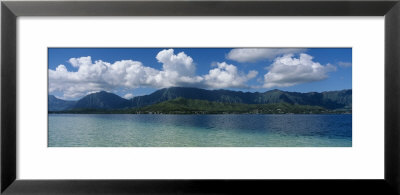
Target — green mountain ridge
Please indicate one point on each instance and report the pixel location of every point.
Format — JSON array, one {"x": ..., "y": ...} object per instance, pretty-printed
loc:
[
  {"x": 102, "y": 100},
  {"x": 55, "y": 104},
  {"x": 331, "y": 100},
  {"x": 195, "y": 106}
]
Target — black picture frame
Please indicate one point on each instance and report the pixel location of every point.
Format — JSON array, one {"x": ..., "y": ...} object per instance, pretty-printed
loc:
[{"x": 10, "y": 10}]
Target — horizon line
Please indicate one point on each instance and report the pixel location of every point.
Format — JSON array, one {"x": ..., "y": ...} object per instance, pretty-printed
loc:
[{"x": 193, "y": 88}]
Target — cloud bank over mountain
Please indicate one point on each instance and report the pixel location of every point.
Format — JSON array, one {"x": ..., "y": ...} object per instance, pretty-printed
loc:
[
  {"x": 256, "y": 54},
  {"x": 179, "y": 70},
  {"x": 287, "y": 71}
]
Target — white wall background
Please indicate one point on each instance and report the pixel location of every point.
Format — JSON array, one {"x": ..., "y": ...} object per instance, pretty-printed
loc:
[{"x": 364, "y": 160}]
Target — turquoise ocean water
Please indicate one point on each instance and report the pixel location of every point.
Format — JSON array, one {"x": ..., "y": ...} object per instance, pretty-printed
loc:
[{"x": 230, "y": 130}]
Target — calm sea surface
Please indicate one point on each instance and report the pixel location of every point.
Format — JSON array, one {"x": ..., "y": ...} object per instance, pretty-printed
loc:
[{"x": 161, "y": 130}]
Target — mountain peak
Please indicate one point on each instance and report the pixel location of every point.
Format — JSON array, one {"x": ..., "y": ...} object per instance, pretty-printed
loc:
[
  {"x": 102, "y": 100},
  {"x": 55, "y": 104},
  {"x": 173, "y": 88},
  {"x": 107, "y": 100},
  {"x": 275, "y": 90},
  {"x": 100, "y": 92}
]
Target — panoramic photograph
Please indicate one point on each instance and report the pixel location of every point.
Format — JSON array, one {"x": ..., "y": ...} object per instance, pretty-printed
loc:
[{"x": 199, "y": 97}]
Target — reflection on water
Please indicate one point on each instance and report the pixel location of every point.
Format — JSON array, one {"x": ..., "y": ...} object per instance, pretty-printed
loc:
[{"x": 114, "y": 130}]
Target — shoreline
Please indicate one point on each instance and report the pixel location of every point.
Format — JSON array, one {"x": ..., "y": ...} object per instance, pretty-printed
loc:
[{"x": 202, "y": 113}]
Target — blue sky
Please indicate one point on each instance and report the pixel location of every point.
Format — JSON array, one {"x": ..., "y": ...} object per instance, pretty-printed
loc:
[{"x": 129, "y": 72}]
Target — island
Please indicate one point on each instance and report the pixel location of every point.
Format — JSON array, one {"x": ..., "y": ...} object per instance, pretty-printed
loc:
[{"x": 184, "y": 100}]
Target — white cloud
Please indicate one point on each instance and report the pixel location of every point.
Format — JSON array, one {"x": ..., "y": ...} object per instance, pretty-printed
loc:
[
  {"x": 256, "y": 54},
  {"x": 180, "y": 63},
  {"x": 287, "y": 71},
  {"x": 76, "y": 62},
  {"x": 345, "y": 64},
  {"x": 101, "y": 75},
  {"x": 128, "y": 96},
  {"x": 227, "y": 75},
  {"x": 178, "y": 70}
]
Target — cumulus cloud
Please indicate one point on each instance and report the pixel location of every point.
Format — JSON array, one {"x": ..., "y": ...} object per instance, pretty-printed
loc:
[
  {"x": 227, "y": 75},
  {"x": 128, "y": 96},
  {"x": 345, "y": 64},
  {"x": 181, "y": 63},
  {"x": 97, "y": 76},
  {"x": 177, "y": 70},
  {"x": 256, "y": 54},
  {"x": 287, "y": 71},
  {"x": 76, "y": 62}
]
